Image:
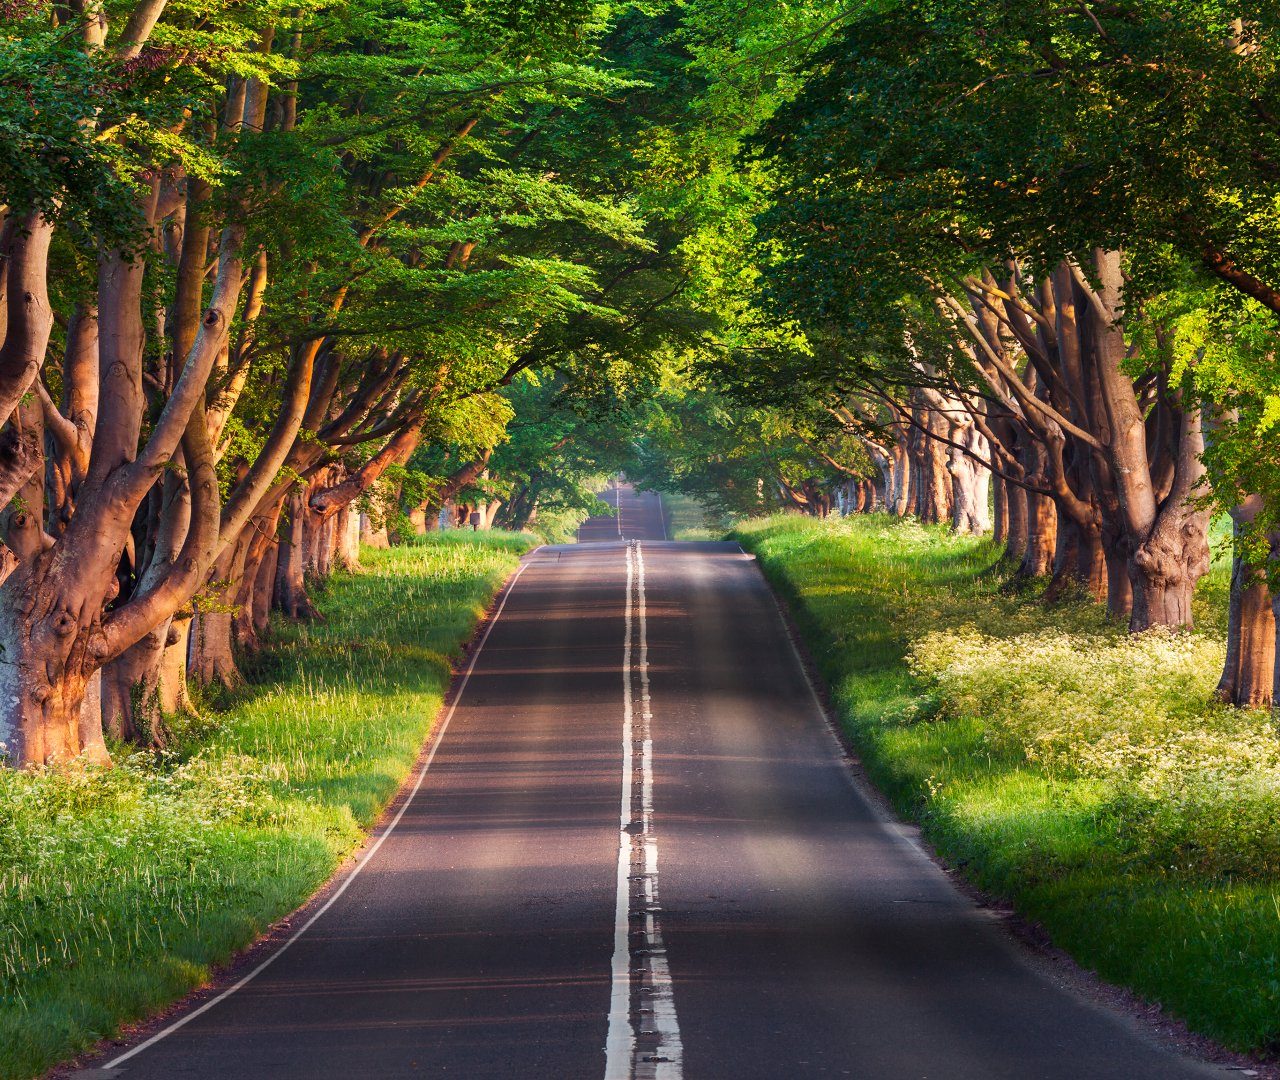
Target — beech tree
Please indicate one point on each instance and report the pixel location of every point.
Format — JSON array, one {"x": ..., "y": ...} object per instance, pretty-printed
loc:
[
  {"x": 910, "y": 230},
  {"x": 269, "y": 269},
  {"x": 1148, "y": 131},
  {"x": 313, "y": 234}
]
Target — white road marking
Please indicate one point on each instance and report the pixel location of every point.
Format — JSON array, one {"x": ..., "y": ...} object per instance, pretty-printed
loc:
[
  {"x": 667, "y": 1057},
  {"x": 368, "y": 855},
  {"x": 621, "y": 1043},
  {"x": 891, "y": 824},
  {"x": 644, "y": 1032}
]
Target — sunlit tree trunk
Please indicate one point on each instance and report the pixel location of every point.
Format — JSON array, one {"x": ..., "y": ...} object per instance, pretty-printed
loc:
[
  {"x": 970, "y": 481},
  {"x": 999, "y": 510},
  {"x": 1165, "y": 538},
  {"x": 1249, "y": 675},
  {"x": 346, "y": 554}
]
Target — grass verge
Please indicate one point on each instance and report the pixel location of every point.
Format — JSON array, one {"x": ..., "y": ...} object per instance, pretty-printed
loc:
[
  {"x": 688, "y": 519},
  {"x": 1081, "y": 773},
  {"x": 121, "y": 889}
]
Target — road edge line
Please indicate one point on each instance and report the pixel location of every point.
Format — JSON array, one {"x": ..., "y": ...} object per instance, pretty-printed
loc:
[
  {"x": 866, "y": 791},
  {"x": 364, "y": 860},
  {"x": 1055, "y": 964}
]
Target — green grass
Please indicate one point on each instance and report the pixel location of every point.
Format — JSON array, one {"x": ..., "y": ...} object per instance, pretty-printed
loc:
[
  {"x": 690, "y": 520},
  {"x": 120, "y": 890},
  {"x": 1083, "y": 774}
]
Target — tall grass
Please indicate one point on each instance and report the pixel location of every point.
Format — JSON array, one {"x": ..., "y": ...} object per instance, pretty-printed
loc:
[
  {"x": 1086, "y": 775},
  {"x": 120, "y": 889}
]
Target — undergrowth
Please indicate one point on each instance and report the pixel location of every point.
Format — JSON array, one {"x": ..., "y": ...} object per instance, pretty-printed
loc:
[
  {"x": 1084, "y": 774},
  {"x": 120, "y": 889}
]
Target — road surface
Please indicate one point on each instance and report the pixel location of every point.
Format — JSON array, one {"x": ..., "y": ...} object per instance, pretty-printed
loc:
[
  {"x": 637, "y": 852},
  {"x": 637, "y": 516}
]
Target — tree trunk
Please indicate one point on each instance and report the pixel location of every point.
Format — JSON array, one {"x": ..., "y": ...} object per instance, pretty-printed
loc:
[
  {"x": 131, "y": 697},
  {"x": 930, "y": 475},
  {"x": 1163, "y": 528},
  {"x": 1042, "y": 537},
  {"x": 1162, "y": 592},
  {"x": 93, "y": 747},
  {"x": 346, "y": 555},
  {"x": 1165, "y": 567},
  {"x": 132, "y": 684},
  {"x": 1019, "y": 524},
  {"x": 1119, "y": 587},
  {"x": 1249, "y": 674},
  {"x": 46, "y": 668},
  {"x": 1078, "y": 562},
  {"x": 1066, "y": 557},
  {"x": 263, "y": 599},
  {"x": 999, "y": 510},
  {"x": 374, "y": 536},
  {"x": 291, "y": 584},
  {"x": 28, "y": 318},
  {"x": 213, "y": 661},
  {"x": 174, "y": 695},
  {"x": 898, "y": 479},
  {"x": 1091, "y": 564},
  {"x": 321, "y": 539},
  {"x": 970, "y": 484}
]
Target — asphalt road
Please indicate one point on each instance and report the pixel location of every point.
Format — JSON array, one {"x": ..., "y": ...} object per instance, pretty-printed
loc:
[
  {"x": 638, "y": 853},
  {"x": 637, "y": 516}
]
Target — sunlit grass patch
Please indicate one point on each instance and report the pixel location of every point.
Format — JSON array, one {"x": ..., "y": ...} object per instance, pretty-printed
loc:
[
  {"x": 1085, "y": 774},
  {"x": 119, "y": 890}
]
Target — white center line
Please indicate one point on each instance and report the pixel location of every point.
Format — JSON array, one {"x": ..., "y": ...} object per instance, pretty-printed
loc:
[
  {"x": 666, "y": 1057},
  {"x": 621, "y": 1044},
  {"x": 644, "y": 1033}
]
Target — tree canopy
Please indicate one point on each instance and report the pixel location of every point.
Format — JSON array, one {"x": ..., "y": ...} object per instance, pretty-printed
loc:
[{"x": 274, "y": 270}]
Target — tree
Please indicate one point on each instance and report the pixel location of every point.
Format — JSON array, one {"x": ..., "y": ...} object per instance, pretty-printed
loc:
[
  {"x": 384, "y": 248},
  {"x": 896, "y": 237}
]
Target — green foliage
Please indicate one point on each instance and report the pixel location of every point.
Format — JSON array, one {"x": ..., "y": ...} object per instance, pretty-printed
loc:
[
  {"x": 930, "y": 141},
  {"x": 688, "y": 519},
  {"x": 121, "y": 889},
  {"x": 738, "y": 459},
  {"x": 1087, "y": 776},
  {"x": 50, "y": 92}
]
